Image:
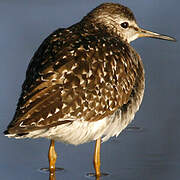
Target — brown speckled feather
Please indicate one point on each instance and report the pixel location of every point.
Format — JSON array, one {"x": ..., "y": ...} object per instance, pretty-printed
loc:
[{"x": 76, "y": 74}]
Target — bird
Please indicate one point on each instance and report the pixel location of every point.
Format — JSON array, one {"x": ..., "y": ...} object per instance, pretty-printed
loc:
[{"x": 84, "y": 83}]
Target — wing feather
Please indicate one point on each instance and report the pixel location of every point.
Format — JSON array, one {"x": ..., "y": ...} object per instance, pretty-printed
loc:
[{"x": 76, "y": 78}]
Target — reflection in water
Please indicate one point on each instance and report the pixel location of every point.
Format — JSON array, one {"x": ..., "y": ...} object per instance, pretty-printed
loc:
[
  {"x": 52, "y": 176},
  {"x": 96, "y": 177}
]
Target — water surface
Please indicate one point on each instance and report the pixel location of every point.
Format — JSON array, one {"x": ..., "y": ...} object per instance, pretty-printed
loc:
[{"x": 150, "y": 151}]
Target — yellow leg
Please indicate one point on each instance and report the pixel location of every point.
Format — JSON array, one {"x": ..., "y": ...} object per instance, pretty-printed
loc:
[
  {"x": 97, "y": 157},
  {"x": 52, "y": 157}
]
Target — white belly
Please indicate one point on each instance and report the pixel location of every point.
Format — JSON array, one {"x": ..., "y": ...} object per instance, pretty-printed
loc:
[{"x": 79, "y": 132}]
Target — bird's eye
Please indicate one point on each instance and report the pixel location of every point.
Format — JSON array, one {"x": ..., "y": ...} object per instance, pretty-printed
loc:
[{"x": 124, "y": 25}]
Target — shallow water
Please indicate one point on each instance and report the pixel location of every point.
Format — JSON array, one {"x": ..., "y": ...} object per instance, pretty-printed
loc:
[{"x": 149, "y": 149}]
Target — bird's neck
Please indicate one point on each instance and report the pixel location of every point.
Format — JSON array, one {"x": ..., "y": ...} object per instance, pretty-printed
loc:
[{"x": 97, "y": 27}]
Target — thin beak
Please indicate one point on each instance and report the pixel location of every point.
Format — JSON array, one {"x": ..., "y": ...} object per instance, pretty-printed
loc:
[{"x": 145, "y": 33}]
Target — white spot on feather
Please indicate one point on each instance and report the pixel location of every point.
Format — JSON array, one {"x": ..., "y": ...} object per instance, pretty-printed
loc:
[
  {"x": 49, "y": 115},
  {"x": 74, "y": 66},
  {"x": 41, "y": 119},
  {"x": 96, "y": 48},
  {"x": 90, "y": 73},
  {"x": 64, "y": 105},
  {"x": 21, "y": 124},
  {"x": 33, "y": 123},
  {"x": 57, "y": 110}
]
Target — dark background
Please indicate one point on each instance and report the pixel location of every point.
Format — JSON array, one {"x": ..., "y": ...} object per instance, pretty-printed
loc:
[{"x": 151, "y": 151}]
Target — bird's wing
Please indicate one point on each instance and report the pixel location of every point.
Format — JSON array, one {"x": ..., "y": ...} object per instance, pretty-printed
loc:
[{"x": 72, "y": 78}]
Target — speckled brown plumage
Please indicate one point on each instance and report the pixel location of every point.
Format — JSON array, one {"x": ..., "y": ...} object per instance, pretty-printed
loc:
[
  {"x": 84, "y": 82},
  {"x": 85, "y": 72},
  {"x": 73, "y": 75}
]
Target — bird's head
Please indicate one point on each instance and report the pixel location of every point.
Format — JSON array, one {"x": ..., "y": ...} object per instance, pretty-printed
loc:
[{"x": 120, "y": 20}]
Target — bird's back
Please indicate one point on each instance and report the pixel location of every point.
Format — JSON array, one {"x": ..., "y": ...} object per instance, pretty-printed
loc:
[{"x": 78, "y": 75}]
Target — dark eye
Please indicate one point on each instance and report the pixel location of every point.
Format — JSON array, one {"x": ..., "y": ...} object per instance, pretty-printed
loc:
[{"x": 124, "y": 25}]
